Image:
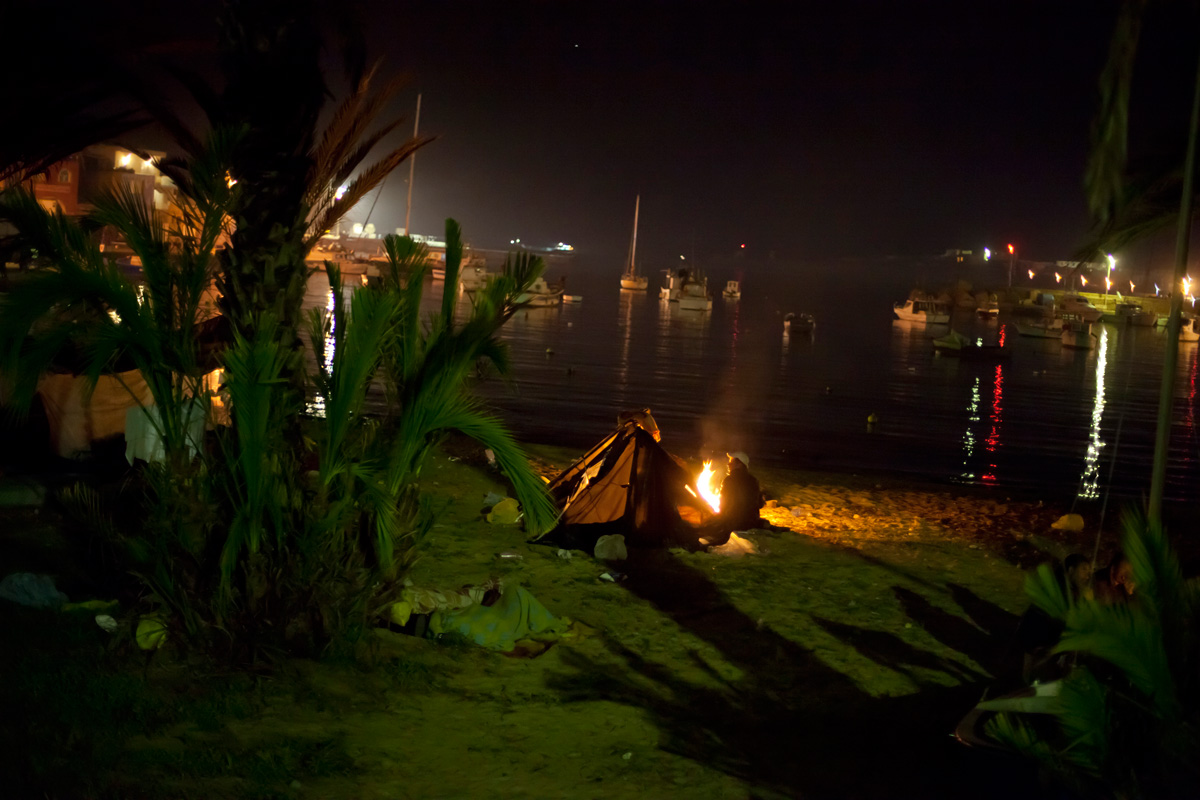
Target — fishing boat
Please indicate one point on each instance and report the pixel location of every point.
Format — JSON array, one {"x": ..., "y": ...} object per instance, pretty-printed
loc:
[
  {"x": 542, "y": 294},
  {"x": 927, "y": 311},
  {"x": 694, "y": 295},
  {"x": 1045, "y": 328},
  {"x": 733, "y": 290},
  {"x": 630, "y": 279},
  {"x": 956, "y": 344},
  {"x": 1077, "y": 334}
]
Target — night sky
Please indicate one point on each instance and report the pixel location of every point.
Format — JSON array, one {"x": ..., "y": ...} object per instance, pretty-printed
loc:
[{"x": 808, "y": 129}]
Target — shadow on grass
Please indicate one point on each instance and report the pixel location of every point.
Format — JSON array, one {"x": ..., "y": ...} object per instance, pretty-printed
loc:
[{"x": 792, "y": 725}]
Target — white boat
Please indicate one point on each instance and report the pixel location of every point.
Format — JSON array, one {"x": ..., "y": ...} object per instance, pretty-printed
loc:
[
  {"x": 694, "y": 296},
  {"x": 1129, "y": 313},
  {"x": 542, "y": 294},
  {"x": 571, "y": 299},
  {"x": 927, "y": 311},
  {"x": 1079, "y": 306},
  {"x": 733, "y": 290},
  {"x": 988, "y": 308},
  {"x": 1045, "y": 328},
  {"x": 1077, "y": 334},
  {"x": 1189, "y": 330},
  {"x": 630, "y": 279}
]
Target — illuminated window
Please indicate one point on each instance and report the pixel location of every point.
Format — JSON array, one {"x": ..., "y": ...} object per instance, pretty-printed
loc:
[{"x": 64, "y": 176}]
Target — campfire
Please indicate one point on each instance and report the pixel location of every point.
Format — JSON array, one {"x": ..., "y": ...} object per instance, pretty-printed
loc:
[{"x": 709, "y": 484}]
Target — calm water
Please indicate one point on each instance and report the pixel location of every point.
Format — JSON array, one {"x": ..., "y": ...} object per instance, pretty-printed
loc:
[{"x": 1045, "y": 421}]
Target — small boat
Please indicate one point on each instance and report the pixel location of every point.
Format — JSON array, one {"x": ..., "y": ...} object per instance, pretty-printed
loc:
[
  {"x": 542, "y": 294},
  {"x": 1045, "y": 328},
  {"x": 472, "y": 279},
  {"x": 988, "y": 308},
  {"x": 733, "y": 290},
  {"x": 1079, "y": 306},
  {"x": 956, "y": 344},
  {"x": 1128, "y": 313},
  {"x": 631, "y": 280},
  {"x": 571, "y": 299},
  {"x": 1189, "y": 330},
  {"x": 927, "y": 311},
  {"x": 694, "y": 296},
  {"x": 438, "y": 273},
  {"x": 1077, "y": 334},
  {"x": 799, "y": 323}
]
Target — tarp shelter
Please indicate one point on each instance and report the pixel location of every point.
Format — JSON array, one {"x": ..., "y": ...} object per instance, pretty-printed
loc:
[{"x": 628, "y": 484}]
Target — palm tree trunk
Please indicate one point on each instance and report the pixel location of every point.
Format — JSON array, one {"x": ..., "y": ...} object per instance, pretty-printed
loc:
[{"x": 1166, "y": 396}]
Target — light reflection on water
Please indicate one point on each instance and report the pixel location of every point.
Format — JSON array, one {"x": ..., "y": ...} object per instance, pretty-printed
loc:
[
  {"x": 732, "y": 378},
  {"x": 1089, "y": 481}
]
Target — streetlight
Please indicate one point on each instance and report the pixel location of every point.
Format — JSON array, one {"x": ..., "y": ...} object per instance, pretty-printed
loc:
[{"x": 1012, "y": 252}]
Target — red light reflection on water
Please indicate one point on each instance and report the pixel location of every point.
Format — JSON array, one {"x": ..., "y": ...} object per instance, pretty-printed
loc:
[{"x": 993, "y": 439}]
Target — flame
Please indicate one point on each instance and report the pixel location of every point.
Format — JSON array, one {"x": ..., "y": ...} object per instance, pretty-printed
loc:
[{"x": 705, "y": 483}]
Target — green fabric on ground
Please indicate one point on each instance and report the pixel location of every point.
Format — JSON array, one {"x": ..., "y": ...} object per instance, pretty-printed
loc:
[{"x": 516, "y": 615}]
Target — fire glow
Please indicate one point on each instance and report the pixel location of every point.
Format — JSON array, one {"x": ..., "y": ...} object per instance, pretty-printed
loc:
[{"x": 709, "y": 485}]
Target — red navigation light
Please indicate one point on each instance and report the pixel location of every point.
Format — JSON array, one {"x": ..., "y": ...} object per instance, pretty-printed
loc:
[
  {"x": 743, "y": 247},
  {"x": 1011, "y": 250}
]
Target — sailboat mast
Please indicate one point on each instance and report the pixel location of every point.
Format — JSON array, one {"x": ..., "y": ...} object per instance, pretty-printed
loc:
[
  {"x": 633, "y": 242},
  {"x": 412, "y": 166}
]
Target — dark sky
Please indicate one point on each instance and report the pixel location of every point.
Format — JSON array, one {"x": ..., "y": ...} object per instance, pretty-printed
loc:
[{"x": 809, "y": 129}]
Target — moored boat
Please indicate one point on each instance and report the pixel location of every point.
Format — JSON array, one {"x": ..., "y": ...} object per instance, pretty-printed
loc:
[
  {"x": 694, "y": 296},
  {"x": 799, "y": 323},
  {"x": 928, "y": 311},
  {"x": 733, "y": 290},
  {"x": 956, "y": 344},
  {"x": 1079, "y": 306},
  {"x": 1077, "y": 334},
  {"x": 630, "y": 279},
  {"x": 1189, "y": 329},
  {"x": 542, "y": 294},
  {"x": 1044, "y": 328}
]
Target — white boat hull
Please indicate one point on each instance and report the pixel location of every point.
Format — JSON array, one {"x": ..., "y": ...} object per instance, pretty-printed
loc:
[
  {"x": 1047, "y": 329},
  {"x": 908, "y": 312},
  {"x": 693, "y": 303}
]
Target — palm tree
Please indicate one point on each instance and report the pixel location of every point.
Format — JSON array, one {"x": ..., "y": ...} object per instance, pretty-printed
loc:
[
  {"x": 1127, "y": 210},
  {"x": 1125, "y": 719}
]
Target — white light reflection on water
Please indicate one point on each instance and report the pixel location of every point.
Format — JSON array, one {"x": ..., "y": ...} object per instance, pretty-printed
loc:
[
  {"x": 316, "y": 406},
  {"x": 969, "y": 436},
  {"x": 1089, "y": 481}
]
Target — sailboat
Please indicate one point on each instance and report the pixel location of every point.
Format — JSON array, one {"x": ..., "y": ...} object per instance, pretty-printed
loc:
[{"x": 630, "y": 279}]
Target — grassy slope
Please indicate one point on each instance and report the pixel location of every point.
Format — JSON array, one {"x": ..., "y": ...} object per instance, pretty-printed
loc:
[{"x": 834, "y": 663}]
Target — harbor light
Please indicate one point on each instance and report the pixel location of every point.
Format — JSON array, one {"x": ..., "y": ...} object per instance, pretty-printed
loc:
[
  {"x": 126, "y": 159},
  {"x": 1107, "y": 285},
  {"x": 1082, "y": 281},
  {"x": 1112, "y": 262},
  {"x": 1057, "y": 278},
  {"x": 1011, "y": 250},
  {"x": 1030, "y": 274},
  {"x": 987, "y": 254},
  {"x": 1131, "y": 287},
  {"x": 341, "y": 190}
]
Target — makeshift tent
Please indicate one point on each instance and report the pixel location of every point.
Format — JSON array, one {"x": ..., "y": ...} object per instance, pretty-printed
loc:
[{"x": 628, "y": 484}]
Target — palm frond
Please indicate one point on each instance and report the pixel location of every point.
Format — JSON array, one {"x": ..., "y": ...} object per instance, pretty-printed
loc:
[{"x": 1104, "y": 178}]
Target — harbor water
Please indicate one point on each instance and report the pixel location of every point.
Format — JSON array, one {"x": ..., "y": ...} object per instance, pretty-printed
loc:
[{"x": 1048, "y": 421}]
